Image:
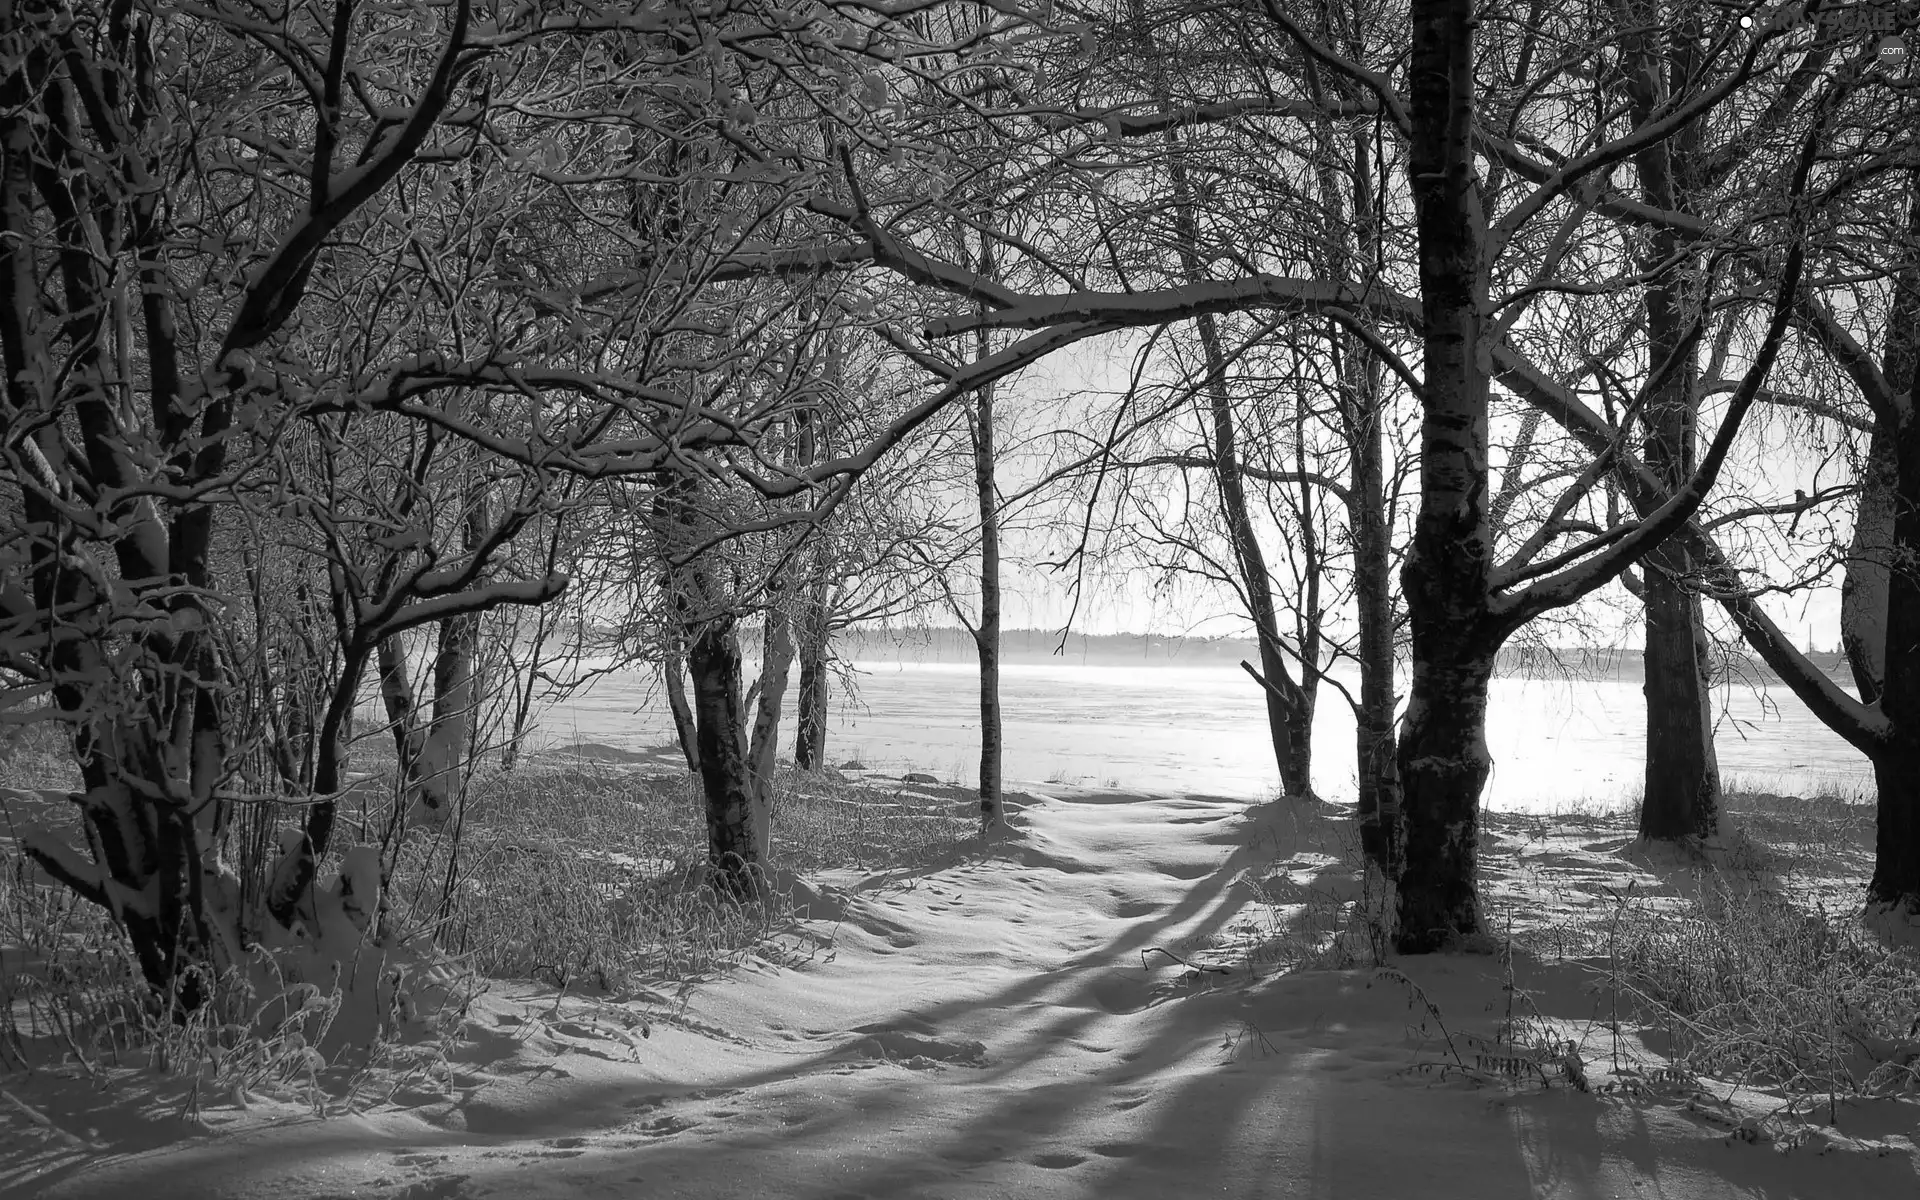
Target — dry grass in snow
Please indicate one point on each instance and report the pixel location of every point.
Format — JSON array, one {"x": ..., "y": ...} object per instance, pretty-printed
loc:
[
  {"x": 585, "y": 871},
  {"x": 580, "y": 871},
  {"x": 1125, "y": 996}
]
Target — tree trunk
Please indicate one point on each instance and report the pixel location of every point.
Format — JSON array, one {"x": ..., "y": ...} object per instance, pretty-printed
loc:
[
  {"x": 1444, "y": 765},
  {"x": 1682, "y": 798},
  {"x": 734, "y": 839},
  {"x": 673, "y": 516},
  {"x": 815, "y": 619},
  {"x": 986, "y": 634},
  {"x": 1682, "y": 791},
  {"x": 810, "y": 732},
  {"x": 1289, "y": 706},
  {"x": 1355, "y": 248},
  {"x": 291, "y": 884},
  {"x": 810, "y": 735},
  {"x": 1443, "y": 749},
  {"x": 444, "y": 759},
  {"x": 1377, "y": 771},
  {"x": 775, "y": 661},
  {"x": 673, "y": 670},
  {"x": 403, "y": 711},
  {"x": 137, "y": 669},
  {"x": 1895, "y": 886},
  {"x": 1896, "y": 767},
  {"x": 1289, "y": 710},
  {"x": 456, "y": 684},
  {"x": 1863, "y": 593},
  {"x": 149, "y": 867},
  {"x": 431, "y": 749}
]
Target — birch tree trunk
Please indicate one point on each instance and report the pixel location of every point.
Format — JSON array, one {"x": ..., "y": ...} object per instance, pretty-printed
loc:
[
  {"x": 810, "y": 731},
  {"x": 776, "y": 660},
  {"x": 672, "y": 519},
  {"x": 445, "y": 748},
  {"x": 673, "y": 680},
  {"x": 734, "y": 836},
  {"x": 443, "y": 761},
  {"x": 403, "y": 710},
  {"x": 1896, "y": 765},
  {"x": 1443, "y": 755},
  {"x": 1864, "y": 591}
]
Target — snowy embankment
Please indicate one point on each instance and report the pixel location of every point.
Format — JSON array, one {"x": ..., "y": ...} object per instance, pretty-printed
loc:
[{"x": 1047, "y": 1021}]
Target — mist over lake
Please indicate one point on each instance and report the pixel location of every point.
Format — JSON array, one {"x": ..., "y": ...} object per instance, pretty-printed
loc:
[{"x": 1202, "y": 729}]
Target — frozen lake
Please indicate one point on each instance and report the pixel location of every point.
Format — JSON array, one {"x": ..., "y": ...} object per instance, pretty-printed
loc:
[{"x": 1203, "y": 730}]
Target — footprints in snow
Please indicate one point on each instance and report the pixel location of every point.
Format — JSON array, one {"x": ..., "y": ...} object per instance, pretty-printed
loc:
[
  {"x": 1117, "y": 992},
  {"x": 946, "y": 902},
  {"x": 451, "y": 1187},
  {"x": 916, "y": 1051},
  {"x": 1187, "y": 870},
  {"x": 433, "y": 1186},
  {"x": 665, "y": 1126},
  {"x": 1058, "y": 1161},
  {"x": 1061, "y": 1160},
  {"x": 896, "y": 935}
]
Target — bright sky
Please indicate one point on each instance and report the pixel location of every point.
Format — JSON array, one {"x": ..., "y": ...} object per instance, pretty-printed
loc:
[{"x": 1118, "y": 601}]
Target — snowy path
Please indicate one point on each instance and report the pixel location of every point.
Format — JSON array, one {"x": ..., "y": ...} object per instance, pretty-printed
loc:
[{"x": 988, "y": 1030}]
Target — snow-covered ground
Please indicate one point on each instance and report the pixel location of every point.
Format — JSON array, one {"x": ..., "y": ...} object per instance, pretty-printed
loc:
[{"x": 1007, "y": 1026}]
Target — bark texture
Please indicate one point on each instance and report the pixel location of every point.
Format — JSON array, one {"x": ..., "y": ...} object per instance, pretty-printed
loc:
[
  {"x": 1363, "y": 400},
  {"x": 776, "y": 662},
  {"x": 1863, "y": 594},
  {"x": 702, "y": 614},
  {"x": 403, "y": 715},
  {"x": 1682, "y": 779},
  {"x": 1378, "y": 771},
  {"x": 986, "y": 633},
  {"x": 1443, "y": 751},
  {"x": 1896, "y": 764},
  {"x": 1444, "y": 765},
  {"x": 813, "y": 608},
  {"x": 810, "y": 733},
  {"x": 450, "y": 733},
  {"x": 673, "y": 680},
  {"x": 735, "y": 837}
]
